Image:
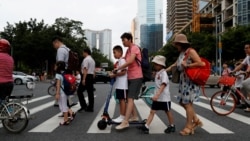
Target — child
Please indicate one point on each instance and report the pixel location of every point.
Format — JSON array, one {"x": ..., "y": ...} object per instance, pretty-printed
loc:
[
  {"x": 61, "y": 96},
  {"x": 161, "y": 98},
  {"x": 121, "y": 83}
]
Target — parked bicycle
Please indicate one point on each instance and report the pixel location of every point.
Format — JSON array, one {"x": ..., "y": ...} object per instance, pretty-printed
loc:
[
  {"x": 224, "y": 102},
  {"x": 14, "y": 115},
  {"x": 52, "y": 88}
]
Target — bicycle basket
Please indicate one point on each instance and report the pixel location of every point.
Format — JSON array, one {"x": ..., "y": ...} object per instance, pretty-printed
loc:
[{"x": 227, "y": 80}]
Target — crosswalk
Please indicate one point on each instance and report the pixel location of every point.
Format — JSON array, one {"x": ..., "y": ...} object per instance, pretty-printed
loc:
[{"x": 157, "y": 126}]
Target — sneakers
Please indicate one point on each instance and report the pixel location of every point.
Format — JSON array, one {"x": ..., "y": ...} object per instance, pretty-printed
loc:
[
  {"x": 118, "y": 119},
  {"x": 123, "y": 125},
  {"x": 171, "y": 128},
  {"x": 144, "y": 129},
  {"x": 133, "y": 119}
]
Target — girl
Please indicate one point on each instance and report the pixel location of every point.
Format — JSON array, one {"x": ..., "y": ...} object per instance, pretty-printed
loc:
[{"x": 61, "y": 96}]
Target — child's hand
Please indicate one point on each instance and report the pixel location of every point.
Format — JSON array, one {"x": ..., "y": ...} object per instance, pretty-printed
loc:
[{"x": 155, "y": 97}]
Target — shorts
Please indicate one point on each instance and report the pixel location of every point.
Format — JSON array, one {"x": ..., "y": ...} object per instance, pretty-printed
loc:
[
  {"x": 157, "y": 105},
  {"x": 6, "y": 89},
  {"x": 121, "y": 94},
  {"x": 134, "y": 86}
]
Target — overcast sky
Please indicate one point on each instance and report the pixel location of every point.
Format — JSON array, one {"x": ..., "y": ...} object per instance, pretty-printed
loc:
[{"x": 94, "y": 14}]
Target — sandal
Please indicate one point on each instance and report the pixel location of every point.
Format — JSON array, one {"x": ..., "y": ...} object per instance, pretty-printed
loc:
[
  {"x": 247, "y": 110},
  {"x": 187, "y": 131},
  {"x": 72, "y": 116},
  {"x": 197, "y": 123},
  {"x": 64, "y": 123}
]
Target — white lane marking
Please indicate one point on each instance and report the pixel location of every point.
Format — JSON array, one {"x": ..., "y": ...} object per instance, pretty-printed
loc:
[
  {"x": 52, "y": 123},
  {"x": 156, "y": 126},
  {"x": 208, "y": 125},
  {"x": 235, "y": 116},
  {"x": 93, "y": 128}
]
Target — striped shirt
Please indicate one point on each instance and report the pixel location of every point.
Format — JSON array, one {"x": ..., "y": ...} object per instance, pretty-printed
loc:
[{"x": 6, "y": 68}]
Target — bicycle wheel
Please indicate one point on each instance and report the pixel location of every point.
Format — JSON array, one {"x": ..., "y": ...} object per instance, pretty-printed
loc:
[
  {"x": 223, "y": 103},
  {"x": 148, "y": 95},
  {"x": 16, "y": 118},
  {"x": 52, "y": 90}
]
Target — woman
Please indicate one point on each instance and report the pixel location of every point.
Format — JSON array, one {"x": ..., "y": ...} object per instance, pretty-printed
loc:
[
  {"x": 188, "y": 91},
  {"x": 6, "y": 69}
]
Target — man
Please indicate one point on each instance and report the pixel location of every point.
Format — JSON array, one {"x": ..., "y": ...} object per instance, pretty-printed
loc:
[
  {"x": 62, "y": 55},
  {"x": 87, "y": 82},
  {"x": 245, "y": 84},
  {"x": 135, "y": 78},
  {"x": 6, "y": 69}
]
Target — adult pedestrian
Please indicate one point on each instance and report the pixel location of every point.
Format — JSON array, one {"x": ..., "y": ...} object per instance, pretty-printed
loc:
[
  {"x": 87, "y": 82},
  {"x": 6, "y": 69},
  {"x": 62, "y": 55},
  {"x": 135, "y": 76},
  {"x": 188, "y": 91},
  {"x": 245, "y": 63}
]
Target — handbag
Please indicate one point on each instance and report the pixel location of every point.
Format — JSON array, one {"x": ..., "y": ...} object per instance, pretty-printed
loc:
[{"x": 175, "y": 75}]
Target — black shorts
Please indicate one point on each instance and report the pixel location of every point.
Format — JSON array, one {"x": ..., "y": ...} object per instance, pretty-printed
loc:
[
  {"x": 165, "y": 106},
  {"x": 121, "y": 94},
  {"x": 5, "y": 89}
]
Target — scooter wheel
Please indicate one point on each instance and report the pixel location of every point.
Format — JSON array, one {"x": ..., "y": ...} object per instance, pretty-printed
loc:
[{"x": 102, "y": 124}]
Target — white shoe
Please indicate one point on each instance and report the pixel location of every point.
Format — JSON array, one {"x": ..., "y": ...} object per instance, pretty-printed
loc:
[
  {"x": 118, "y": 119},
  {"x": 123, "y": 125},
  {"x": 133, "y": 119}
]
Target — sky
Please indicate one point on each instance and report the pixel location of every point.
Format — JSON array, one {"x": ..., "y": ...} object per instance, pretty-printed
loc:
[{"x": 116, "y": 15}]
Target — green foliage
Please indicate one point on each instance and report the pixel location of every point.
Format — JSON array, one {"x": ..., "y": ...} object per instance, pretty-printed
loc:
[
  {"x": 101, "y": 58},
  {"x": 32, "y": 47}
]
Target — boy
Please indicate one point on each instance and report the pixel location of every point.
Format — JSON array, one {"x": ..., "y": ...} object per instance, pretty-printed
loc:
[
  {"x": 161, "y": 98},
  {"x": 121, "y": 83}
]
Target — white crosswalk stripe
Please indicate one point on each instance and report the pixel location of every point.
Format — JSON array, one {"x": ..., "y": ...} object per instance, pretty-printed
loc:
[{"x": 157, "y": 126}]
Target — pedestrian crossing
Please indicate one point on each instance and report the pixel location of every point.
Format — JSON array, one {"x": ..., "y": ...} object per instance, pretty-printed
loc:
[{"x": 157, "y": 126}]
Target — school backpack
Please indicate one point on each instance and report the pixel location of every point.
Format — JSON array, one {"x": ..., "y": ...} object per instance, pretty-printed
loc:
[
  {"x": 145, "y": 65},
  {"x": 69, "y": 84},
  {"x": 198, "y": 75}
]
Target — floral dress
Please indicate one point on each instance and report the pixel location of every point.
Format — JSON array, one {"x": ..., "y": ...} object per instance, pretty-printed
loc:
[{"x": 188, "y": 91}]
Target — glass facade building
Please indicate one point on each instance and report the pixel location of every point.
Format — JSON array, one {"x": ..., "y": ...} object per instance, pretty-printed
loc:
[
  {"x": 243, "y": 12},
  {"x": 150, "y": 25}
]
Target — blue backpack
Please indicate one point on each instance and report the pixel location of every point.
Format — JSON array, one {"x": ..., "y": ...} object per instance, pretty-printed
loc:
[{"x": 145, "y": 65}]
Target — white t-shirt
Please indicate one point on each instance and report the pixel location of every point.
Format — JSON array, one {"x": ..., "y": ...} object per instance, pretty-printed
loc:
[
  {"x": 160, "y": 78},
  {"x": 89, "y": 64},
  {"x": 239, "y": 79},
  {"x": 121, "y": 81},
  {"x": 63, "y": 54},
  {"x": 246, "y": 61}
]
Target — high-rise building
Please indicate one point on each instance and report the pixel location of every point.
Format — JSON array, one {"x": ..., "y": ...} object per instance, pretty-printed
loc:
[
  {"x": 243, "y": 12},
  {"x": 149, "y": 33},
  {"x": 179, "y": 13},
  {"x": 101, "y": 40}
]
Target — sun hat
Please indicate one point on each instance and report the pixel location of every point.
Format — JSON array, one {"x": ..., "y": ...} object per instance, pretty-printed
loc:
[
  {"x": 160, "y": 60},
  {"x": 181, "y": 38}
]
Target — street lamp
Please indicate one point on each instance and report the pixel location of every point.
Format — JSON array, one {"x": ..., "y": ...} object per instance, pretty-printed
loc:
[{"x": 220, "y": 45}]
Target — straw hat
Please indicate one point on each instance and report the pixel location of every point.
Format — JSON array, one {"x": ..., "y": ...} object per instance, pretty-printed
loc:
[
  {"x": 181, "y": 38},
  {"x": 160, "y": 60}
]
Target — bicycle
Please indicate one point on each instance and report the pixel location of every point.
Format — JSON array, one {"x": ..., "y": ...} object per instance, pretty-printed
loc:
[
  {"x": 52, "y": 88},
  {"x": 224, "y": 102},
  {"x": 146, "y": 93},
  {"x": 14, "y": 114}
]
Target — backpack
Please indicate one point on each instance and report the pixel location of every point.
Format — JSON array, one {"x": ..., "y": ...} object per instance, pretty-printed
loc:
[
  {"x": 198, "y": 75},
  {"x": 145, "y": 65},
  {"x": 69, "y": 83},
  {"x": 73, "y": 60}
]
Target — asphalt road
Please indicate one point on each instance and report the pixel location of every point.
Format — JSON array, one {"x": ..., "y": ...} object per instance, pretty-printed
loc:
[{"x": 45, "y": 123}]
